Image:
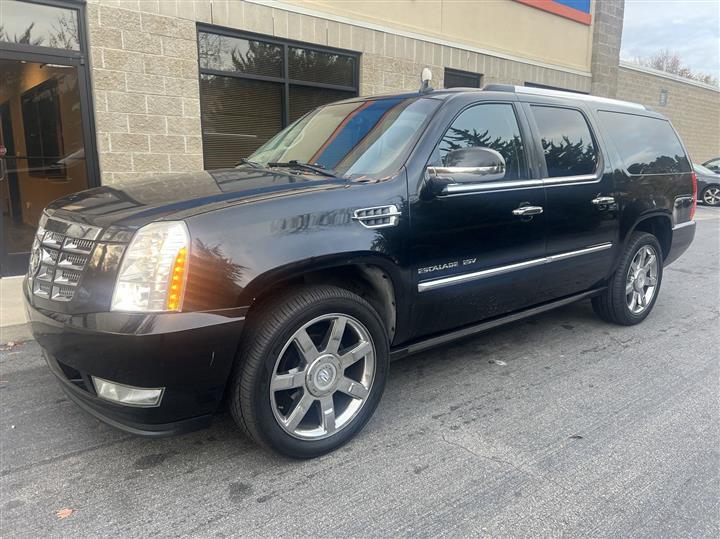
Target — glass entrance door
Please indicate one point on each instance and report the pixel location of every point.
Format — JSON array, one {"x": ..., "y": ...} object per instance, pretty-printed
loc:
[{"x": 42, "y": 138}]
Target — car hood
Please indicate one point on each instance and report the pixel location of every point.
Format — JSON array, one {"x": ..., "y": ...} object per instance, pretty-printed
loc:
[{"x": 177, "y": 196}]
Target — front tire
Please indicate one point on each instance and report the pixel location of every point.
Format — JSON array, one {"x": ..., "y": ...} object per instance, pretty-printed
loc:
[
  {"x": 634, "y": 288},
  {"x": 312, "y": 369}
]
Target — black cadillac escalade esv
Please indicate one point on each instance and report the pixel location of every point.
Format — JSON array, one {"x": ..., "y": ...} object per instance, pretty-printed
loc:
[{"x": 369, "y": 229}]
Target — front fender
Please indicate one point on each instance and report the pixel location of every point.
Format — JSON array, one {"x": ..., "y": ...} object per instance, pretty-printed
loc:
[{"x": 240, "y": 250}]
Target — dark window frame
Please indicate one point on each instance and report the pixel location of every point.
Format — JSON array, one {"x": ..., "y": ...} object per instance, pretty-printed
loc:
[
  {"x": 600, "y": 160},
  {"x": 461, "y": 73},
  {"x": 285, "y": 80}
]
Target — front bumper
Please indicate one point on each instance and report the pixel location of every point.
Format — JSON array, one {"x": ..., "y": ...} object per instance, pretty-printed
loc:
[
  {"x": 682, "y": 236},
  {"x": 189, "y": 354}
]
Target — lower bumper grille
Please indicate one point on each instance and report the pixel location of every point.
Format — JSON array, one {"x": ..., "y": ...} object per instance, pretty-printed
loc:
[{"x": 75, "y": 377}]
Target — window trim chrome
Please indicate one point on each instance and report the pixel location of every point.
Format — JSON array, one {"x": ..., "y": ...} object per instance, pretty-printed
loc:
[{"x": 451, "y": 280}]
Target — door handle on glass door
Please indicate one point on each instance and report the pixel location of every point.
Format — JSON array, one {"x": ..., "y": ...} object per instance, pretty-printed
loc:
[{"x": 528, "y": 210}]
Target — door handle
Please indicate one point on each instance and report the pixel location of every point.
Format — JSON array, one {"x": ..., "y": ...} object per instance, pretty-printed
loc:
[
  {"x": 528, "y": 210},
  {"x": 603, "y": 201}
]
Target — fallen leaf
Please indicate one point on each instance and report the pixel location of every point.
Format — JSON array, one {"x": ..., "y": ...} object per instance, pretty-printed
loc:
[{"x": 64, "y": 512}]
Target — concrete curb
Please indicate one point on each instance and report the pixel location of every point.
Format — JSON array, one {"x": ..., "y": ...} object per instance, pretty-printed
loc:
[{"x": 17, "y": 332}]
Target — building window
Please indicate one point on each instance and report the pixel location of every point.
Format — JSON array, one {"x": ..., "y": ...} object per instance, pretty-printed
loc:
[
  {"x": 454, "y": 78},
  {"x": 25, "y": 23},
  {"x": 251, "y": 87}
]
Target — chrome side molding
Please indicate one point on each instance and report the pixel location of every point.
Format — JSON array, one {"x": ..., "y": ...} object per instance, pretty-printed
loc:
[
  {"x": 508, "y": 185},
  {"x": 683, "y": 225},
  {"x": 492, "y": 272}
]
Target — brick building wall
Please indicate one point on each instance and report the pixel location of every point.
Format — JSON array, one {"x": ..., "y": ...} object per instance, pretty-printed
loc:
[
  {"x": 607, "y": 38},
  {"x": 693, "y": 108},
  {"x": 145, "y": 72}
]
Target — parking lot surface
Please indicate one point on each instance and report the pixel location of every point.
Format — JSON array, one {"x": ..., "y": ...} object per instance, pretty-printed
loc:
[{"x": 560, "y": 424}]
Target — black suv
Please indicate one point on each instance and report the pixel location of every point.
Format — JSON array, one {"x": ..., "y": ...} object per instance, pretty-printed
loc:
[{"x": 367, "y": 230}]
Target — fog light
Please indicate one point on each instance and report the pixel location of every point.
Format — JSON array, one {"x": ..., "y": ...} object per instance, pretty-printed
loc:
[{"x": 128, "y": 395}]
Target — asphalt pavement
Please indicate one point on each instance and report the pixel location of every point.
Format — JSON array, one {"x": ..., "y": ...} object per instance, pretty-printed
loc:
[{"x": 557, "y": 425}]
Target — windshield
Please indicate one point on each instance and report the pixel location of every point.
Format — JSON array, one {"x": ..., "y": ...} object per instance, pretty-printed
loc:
[
  {"x": 703, "y": 170},
  {"x": 360, "y": 138}
]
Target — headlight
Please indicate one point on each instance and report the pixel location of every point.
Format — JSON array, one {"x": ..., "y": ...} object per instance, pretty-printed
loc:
[
  {"x": 154, "y": 269},
  {"x": 35, "y": 250}
]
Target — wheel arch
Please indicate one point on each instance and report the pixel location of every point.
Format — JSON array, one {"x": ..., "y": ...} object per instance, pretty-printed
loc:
[
  {"x": 373, "y": 278},
  {"x": 659, "y": 224}
]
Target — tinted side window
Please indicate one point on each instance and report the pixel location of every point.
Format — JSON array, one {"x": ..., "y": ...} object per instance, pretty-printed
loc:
[
  {"x": 566, "y": 140},
  {"x": 646, "y": 145},
  {"x": 488, "y": 126}
]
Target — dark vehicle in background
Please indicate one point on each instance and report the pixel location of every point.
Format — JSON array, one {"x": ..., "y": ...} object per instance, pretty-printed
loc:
[
  {"x": 368, "y": 230},
  {"x": 708, "y": 185},
  {"x": 713, "y": 165}
]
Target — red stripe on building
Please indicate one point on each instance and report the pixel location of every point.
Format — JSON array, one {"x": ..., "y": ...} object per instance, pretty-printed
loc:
[{"x": 559, "y": 9}]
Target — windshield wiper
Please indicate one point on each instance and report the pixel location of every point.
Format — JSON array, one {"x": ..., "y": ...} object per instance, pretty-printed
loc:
[
  {"x": 244, "y": 161},
  {"x": 317, "y": 169}
]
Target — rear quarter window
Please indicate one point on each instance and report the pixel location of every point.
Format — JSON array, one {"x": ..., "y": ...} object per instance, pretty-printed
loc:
[{"x": 646, "y": 145}]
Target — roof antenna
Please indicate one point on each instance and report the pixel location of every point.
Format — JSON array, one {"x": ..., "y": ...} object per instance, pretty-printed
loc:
[{"x": 425, "y": 78}]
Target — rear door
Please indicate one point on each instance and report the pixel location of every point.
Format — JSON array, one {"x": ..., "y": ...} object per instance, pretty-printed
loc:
[{"x": 581, "y": 213}]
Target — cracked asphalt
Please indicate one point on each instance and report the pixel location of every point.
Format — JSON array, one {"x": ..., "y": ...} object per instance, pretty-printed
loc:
[{"x": 558, "y": 425}]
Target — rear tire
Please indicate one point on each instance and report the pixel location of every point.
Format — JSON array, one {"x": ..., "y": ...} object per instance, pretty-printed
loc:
[
  {"x": 634, "y": 288},
  {"x": 311, "y": 371}
]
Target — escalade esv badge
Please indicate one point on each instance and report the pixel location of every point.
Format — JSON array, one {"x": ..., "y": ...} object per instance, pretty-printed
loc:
[{"x": 370, "y": 229}]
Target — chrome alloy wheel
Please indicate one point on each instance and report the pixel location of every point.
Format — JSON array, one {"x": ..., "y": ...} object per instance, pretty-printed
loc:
[
  {"x": 322, "y": 377},
  {"x": 711, "y": 196},
  {"x": 642, "y": 279}
]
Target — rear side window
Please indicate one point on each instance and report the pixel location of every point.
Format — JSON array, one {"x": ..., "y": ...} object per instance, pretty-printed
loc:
[
  {"x": 491, "y": 125},
  {"x": 566, "y": 141},
  {"x": 646, "y": 145}
]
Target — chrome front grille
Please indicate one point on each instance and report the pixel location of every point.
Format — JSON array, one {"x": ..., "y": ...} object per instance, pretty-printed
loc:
[{"x": 60, "y": 253}]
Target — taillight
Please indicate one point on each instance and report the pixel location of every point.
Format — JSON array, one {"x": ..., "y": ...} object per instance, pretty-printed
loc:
[{"x": 694, "y": 202}]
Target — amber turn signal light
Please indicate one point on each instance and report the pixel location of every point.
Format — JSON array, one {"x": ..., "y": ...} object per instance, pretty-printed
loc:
[{"x": 177, "y": 281}]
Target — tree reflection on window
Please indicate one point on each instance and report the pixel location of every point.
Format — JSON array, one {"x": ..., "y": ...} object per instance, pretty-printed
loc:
[
  {"x": 499, "y": 131},
  {"x": 566, "y": 141},
  {"x": 568, "y": 158}
]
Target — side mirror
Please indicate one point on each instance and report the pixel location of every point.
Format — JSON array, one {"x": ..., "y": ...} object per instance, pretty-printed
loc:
[{"x": 469, "y": 165}]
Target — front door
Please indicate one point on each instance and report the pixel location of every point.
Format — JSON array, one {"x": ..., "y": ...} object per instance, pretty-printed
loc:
[
  {"x": 580, "y": 211},
  {"x": 474, "y": 255}
]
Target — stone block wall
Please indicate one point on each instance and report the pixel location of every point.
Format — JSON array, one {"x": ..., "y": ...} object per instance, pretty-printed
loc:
[
  {"x": 145, "y": 72},
  {"x": 694, "y": 109}
]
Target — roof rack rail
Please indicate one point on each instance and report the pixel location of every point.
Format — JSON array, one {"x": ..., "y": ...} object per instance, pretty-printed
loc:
[
  {"x": 499, "y": 88},
  {"x": 530, "y": 90}
]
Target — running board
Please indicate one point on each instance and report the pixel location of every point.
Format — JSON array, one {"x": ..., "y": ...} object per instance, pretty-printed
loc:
[{"x": 432, "y": 342}]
